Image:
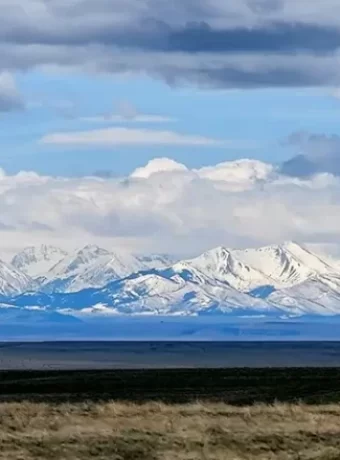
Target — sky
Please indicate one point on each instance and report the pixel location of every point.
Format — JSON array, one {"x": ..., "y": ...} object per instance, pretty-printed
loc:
[{"x": 92, "y": 91}]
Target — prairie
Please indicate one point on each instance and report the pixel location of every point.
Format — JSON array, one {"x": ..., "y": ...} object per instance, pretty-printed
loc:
[{"x": 158, "y": 431}]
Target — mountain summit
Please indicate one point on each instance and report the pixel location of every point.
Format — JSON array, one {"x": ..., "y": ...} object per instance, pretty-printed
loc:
[{"x": 37, "y": 261}]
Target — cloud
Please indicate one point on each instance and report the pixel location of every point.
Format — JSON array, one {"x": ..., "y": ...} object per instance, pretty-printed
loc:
[
  {"x": 213, "y": 43},
  {"x": 10, "y": 98},
  {"x": 240, "y": 173},
  {"x": 317, "y": 153},
  {"x": 127, "y": 112},
  {"x": 170, "y": 209},
  {"x": 156, "y": 166},
  {"x": 112, "y": 118},
  {"x": 276, "y": 37},
  {"x": 128, "y": 137},
  {"x": 266, "y": 6},
  {"x": 140, "y": 118}
]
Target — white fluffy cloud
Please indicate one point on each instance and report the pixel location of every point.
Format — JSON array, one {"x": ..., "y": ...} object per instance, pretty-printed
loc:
[
  {"x": 156, "y": 166},
  {"x": 170, "y": 208},
  {"x": 127, "y": 136},
  {"x": 237, "y": 175}
]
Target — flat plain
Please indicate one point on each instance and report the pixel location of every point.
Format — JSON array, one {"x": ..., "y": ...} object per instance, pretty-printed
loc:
[
  {"x": 107, "y": 355},
  {"x": 183, "y": 414},
  {"x": 156, "y": 431}
]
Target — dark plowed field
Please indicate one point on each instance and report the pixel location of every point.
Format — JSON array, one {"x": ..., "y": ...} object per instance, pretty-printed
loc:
[{"x": 233, "y": 386}]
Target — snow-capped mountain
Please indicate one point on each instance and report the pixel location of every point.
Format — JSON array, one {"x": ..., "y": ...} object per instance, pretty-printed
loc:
[
  {"x": 316, "y": 295},
  {"x": 12, "y": 281},
  {"x": 66, "y": 274},
  {"x": 286, "y": 265},
  {"x": 58, "y": 271},
  {"x": 281, "y": 279},
  {"x": 93, "y": 266},
  {"x": 36, "y": 262},
  {"x": 177, "y": 292},
  {"x": 159, "y": 292},
  {"x": 156, "y": 260},
  {"x": 222, "y": 265}
]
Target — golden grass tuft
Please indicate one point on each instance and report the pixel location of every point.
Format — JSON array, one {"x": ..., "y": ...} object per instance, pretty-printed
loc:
[{"x": 156, "y": 431}]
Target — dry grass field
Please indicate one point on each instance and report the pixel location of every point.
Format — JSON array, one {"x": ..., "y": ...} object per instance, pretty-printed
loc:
[{"x": 150, "y": 431}]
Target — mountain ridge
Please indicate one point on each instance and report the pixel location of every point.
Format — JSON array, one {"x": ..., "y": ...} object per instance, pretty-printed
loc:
[{"x": 277, "y": 279}]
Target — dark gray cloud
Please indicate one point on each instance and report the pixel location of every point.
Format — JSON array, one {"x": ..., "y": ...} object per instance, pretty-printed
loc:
[
  {"x": 223, "y": 43},
  {"x": 317, "y": 153},
  {"x": 193, "y": 37},
  {"x": 274, "y": 38},
  {"x": 265, "y": 6},
  {"x": 230, "y": 76}
]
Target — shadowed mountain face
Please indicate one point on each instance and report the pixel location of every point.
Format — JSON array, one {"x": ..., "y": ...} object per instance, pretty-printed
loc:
[
  {"x": 317, "y": 154},
  {"x": 299, "y": 166}
]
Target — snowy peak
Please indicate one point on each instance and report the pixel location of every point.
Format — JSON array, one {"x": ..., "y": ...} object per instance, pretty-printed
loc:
[
  {"x": 12, "y": 281},
  {"x": 37, "y": 261},
  {"x": 117, "y": 265},
  {"x": 217, "y": 263},
  {"x": 107, "y": 269},
  {"x": 71, "y": 273},
  {"x": 309, "y": 259},
  {"x": 91, "y": 251},
  {"x": 157, "y": 260},
  {"x": 285, "y": 265},
  {"x": 75, "y": 262},
  {"x": 222, "y": 265},
  {"x": 94, "y": 267},
  {"x": 86, "y": 256}
]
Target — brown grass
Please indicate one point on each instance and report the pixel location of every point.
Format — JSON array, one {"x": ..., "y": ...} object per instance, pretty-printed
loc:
[{"x": 117, "y": 431}]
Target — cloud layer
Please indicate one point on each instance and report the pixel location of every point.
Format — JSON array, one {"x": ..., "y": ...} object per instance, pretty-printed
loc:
[
  {"x": 128, "y": 137},
  {"x": 168, "y": 208},
  {"x": 215, "y": 43},
  {"x": 127, "y": 112}
]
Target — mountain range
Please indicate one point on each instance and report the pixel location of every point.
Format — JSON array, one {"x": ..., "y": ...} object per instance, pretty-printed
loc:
[{"x": 285, "y": 280}]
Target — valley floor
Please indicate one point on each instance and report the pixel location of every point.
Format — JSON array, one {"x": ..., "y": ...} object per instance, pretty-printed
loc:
[
  {"x": 166, "y": 414},
  {"x": 156, "y": 431}
]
